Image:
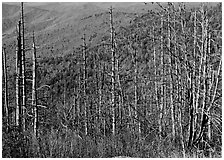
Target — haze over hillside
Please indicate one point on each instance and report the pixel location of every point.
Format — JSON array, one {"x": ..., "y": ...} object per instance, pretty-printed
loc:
[{"x": 59, "y": 26}]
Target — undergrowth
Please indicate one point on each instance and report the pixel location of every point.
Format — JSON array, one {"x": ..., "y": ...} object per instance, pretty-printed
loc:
[{"x": 55, "y": 144}]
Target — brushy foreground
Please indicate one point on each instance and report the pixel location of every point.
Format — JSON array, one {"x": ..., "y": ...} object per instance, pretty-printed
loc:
[{"x": 66, "y": 143}]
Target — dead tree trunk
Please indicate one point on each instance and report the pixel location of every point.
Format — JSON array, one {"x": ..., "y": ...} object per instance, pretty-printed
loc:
[
  {"x": 100, "y": 88},
  {"x": 34, "y": 91},
  {"x": 155, "y": 68},
  {"x": 84, "y": 85},
  {"x": 177, "y": 71},
  {"x": 18, "y": 78},
  {"x": 171, "y": 80},
  {"x": 161, "y": 82},
  {"x": 77, "y": 100},
  {"x": 208, "y": 93},
  {"x": 104, "y": 117},
  {"x": 120, "y": 94},
  {"x": 6, "y": 105},
  {"x": 23, "y": 69},
  {"x": 136, "y": 87},
  {"x": 113, "y": 75}
]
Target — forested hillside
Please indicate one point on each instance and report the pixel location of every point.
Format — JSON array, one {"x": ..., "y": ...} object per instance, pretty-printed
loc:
[{"x": 110, "y": 83}]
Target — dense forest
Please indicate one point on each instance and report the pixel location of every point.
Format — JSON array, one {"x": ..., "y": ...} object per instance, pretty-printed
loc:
[{"x": 149, "y": 88}]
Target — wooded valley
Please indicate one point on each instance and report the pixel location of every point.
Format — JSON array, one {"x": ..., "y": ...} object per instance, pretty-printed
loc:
[{"x": 145, "y": 84}]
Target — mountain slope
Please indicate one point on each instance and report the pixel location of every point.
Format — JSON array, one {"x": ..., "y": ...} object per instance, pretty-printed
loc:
[
  {"x": 58, "y": 32},
  {"x": 59, "y": 26}
]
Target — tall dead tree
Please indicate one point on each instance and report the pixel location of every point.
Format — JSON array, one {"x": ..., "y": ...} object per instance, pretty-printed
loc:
[
  {"x": 100, "y": 85},
  {"x": 34, "y": 90},
  {"x": 155, "y": 68},
  {"x": 204, "y": 76},
  {"x": 100, "y": 88},
  {"x": 208, "y": 93},
  {"x": 6, "y": 104},
  {"x": 118, "y": 85},
  {"x": 84, "y": 85},
  {"x": 161, "y": 81},
  {"x": 170, "y": 61},
  {"x": 23, "y": 60},
  {"x": 79, "y": 95},
  {"x": 113, "y": 74},
  {"x": 136, "y": 85},
  {"x": 104, "y": 117},
  {"x": 178, "y": 88},
  {"x": 18, "y": 77},
  {"x": 194, "y": 69},
  {"x": 120, "y": 92}
]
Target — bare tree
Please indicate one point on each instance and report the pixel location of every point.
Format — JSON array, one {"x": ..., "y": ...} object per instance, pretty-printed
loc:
[
  {"x": 6, "y": 104},
  {"x": 85, "y": 83},
  {"x": 18, "y": 77},
  {"x": 136, "y": 86},
  {"x": 177, "y": 71},
  {"x": 171, "y": 77},
  {"x": 23, "y": 60},
  {"x": 162, "y": 93},
  {"x": 34, "y": 90},
  {"x": 113, "y": 74}
]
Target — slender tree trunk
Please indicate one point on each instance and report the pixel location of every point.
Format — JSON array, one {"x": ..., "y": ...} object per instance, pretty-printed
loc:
[
  {"x": 120, "y": 93},
  {"x": 135, "y": 84},
  {"x": 181, "y": 132},
  {"x": 198, "y": 78},
  {"x": 155, "y": 70},
  {"x": 6, "y": 111},
  {"x": 98, "y": 97},
  {"x": 203, "y": 111},
  {"x": 162, "y": 81},
  {"x": 113, "y": 105},
  {"x": 130, "y": 123},
  {"x": 104, "y": 117},
  {"x": 216, "y": 85},
  {"x": 97, "y": 77},
  {"x": 179, "y": 102},
  {"x": 194, "y": 70},
  {"x": 208, "y": 96},
  {"x": 64, "y": 93},
  {"x": 78, "y": 97},
  {"x": 18, "y": 78},
  {"x": 34, "y": 91},
  {"x": 204, "y": 25},
  {"x": 84, "y": 86},
  {"x": 75, "y": 104},
  {"x": 23, "y": 70},
  {"x": 171, "y": 81},
  {"x": 100, "y": 88},
  {"x": 178, "y": 92},
  {"x": 136, "y": 88}
]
